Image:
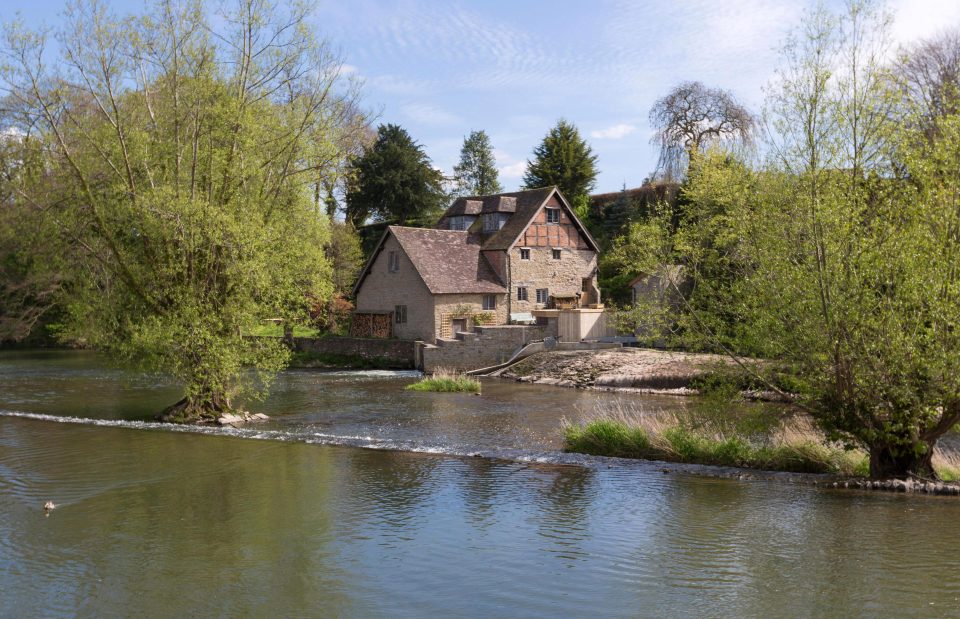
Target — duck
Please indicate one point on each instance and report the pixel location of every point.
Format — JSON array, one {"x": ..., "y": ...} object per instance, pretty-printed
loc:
[{"x": 49, "y": 506}]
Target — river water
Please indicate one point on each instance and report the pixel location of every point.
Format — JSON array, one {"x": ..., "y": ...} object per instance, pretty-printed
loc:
[{"x": 359, "y": 499}]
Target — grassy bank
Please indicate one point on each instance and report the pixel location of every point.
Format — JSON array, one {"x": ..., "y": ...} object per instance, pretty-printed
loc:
[
  {"x": 447, "y": 382},
  {"x": 791, "y": 444},
  {"x": 271, "y": 329}
]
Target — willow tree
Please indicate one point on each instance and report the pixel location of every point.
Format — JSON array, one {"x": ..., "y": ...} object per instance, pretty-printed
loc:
[
  {"x": 692, "y": 118},
  {"x": 176, "y": 152}
]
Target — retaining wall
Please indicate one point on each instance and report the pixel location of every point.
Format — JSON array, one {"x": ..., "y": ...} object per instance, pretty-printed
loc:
[
  {"x": 401, "y": 353},
  {"x": 485, "y": 347}
]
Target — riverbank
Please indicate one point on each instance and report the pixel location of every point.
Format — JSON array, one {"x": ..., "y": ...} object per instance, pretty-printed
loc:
[
  {"x": 619, "y": 368},
  {"x": 757, "y": 445}
]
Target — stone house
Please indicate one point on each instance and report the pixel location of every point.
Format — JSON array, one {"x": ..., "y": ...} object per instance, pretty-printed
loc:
[{"x": 491, "y": 260}]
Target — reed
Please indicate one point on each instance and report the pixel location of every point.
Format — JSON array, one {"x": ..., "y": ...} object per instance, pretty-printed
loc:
[
  {"x": 792, "y": 444},
  {"x": 446, "y": 381}
]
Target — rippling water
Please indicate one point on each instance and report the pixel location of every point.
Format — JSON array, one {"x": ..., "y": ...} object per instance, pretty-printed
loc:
[{"x": 206, "y": 522}]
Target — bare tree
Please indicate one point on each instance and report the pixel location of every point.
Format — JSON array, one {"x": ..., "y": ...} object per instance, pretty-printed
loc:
[
  {"x": 692, "y": 117},
  {"x": 929, "y": 76}
]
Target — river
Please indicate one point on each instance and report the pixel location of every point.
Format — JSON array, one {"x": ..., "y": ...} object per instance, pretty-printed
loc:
[{"x": 360, "y": 499}]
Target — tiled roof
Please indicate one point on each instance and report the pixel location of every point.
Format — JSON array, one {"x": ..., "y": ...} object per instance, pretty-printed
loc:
[
  {"x": 449, "y": 261},
  {"x": 523, "y": 204}
]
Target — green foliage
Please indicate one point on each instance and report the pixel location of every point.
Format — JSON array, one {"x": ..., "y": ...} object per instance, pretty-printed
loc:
[
  {"x": 446, "y": 382},
  {"x": 395, "y": 181},
  {"x": 563, "y": 159},
  {"x": 270, "y": 329},
  {"x": 679, "y": 443},
  {"x": 175, "y": 159},
  {"x": 608, "y": 438},
  {"x": 840, "y": 258},
  {"x": 344, "y": 253},
  {"x": 476, "y": 174},
  {"x": 645, "y": 246},
  {"x": 484, "y": 318}
]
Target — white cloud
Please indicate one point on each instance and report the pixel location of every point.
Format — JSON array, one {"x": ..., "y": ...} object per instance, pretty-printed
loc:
[
  {"x": 429, "y": 114},
  {"x": 347, "y": 69},
  {"x": 514, "y": 170},
  {"x": 615, "y": 132},
  {"x": 508, "y": 166},
  {"x": 922, "y": 19}
]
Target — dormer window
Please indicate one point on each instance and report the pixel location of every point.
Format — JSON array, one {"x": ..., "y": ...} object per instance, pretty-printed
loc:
[
  {"x": 494, "y": 221},
  {"x": 553, "y": 215},
  {"x": 461, "y": 222}
]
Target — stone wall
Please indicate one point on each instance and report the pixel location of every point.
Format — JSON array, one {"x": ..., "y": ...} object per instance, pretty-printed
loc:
[
  {"x": 487, "y": 346},
  {"x": 400, "y": 353},
  {"x": 563, "y": 277},
  {"x": 382, "y": 290},
  {"x": 446, "y": 307}
]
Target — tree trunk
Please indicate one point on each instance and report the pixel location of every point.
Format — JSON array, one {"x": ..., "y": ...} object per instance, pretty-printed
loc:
[
  {"x": 203, "y": 408},
  {"x": 889, "y": 463}
]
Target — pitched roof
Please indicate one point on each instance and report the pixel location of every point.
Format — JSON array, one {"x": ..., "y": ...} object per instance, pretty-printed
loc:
[
  {"x": 523, "y": 204},
  {"x": 448, "y": 261}
]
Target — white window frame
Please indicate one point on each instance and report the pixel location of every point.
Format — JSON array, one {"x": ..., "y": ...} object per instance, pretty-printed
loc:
[
  {"x": 553, "y": 213},
  {"x": 543, "y": 295},
  {"x": 524, "y": 253},
  {"x": 522, "y": 293},
  {"x": 489, "y": 302}
]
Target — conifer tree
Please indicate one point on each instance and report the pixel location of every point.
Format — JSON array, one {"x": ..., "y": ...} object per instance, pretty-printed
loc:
[
  {"x": 563, "y": 159},
  {"x": 395, "y": 181},
  {"x": 476, "y": 174}
]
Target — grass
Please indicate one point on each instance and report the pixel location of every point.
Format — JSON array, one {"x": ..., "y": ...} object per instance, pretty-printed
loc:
[
  {"x": 272, "y": 329},
  {"x": 795, "y": 445},
  {"x": 446, "y": 382}
]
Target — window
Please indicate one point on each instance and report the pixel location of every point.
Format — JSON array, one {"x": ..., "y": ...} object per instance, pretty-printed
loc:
[
  {"x": 553, "y": 215},
  {"x": 489, "y": 301},
  {"x": 542, "y": 295},
  {"x": 400, "y": 314},
  {"x": 524, "y": 253},
  {"x": 556, "y": 253},
  {"x": 521, "y": 293},
  {"x": 393, "y": 261},
  {"x": 461, "y": 222},
  {"x": 494, "y": 221}
]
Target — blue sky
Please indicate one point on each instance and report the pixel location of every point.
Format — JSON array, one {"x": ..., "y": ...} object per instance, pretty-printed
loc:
[{"x": 441, "y": 68}]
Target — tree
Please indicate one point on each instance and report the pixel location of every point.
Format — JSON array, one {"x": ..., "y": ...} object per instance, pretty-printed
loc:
[
  {"x": 476, "y": 174},
  {"x": 563, "y": 159},
  {"x": 345, "y": 255},
  {"x": 929, "y": 75},
  {"x": 691, "y": 118},
  {"x": 395, "y": 181},
  {"x": 175, "y": 155},
  {"x": 845, "y": 261}
]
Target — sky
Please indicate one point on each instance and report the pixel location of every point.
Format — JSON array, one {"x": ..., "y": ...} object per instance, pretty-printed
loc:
[{"x": 441, "y": 68}]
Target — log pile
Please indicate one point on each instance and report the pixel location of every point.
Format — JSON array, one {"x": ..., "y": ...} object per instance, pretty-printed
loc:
[{"x": 371, "y": 325}]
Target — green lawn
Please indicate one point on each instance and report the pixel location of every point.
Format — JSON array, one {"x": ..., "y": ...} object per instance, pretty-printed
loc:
[{"x": 270, "y": 329}]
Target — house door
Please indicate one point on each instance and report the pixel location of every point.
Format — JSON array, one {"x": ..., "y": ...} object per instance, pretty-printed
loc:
[{"x": 459, "y": 324}]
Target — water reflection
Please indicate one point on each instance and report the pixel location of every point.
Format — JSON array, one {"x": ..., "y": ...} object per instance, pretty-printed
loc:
[{"x": 156, "y": 523}]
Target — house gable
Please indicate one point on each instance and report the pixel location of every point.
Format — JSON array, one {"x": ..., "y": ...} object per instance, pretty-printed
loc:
[
  {"x": 390, "y": 280},
  {"x": 566, "y": 233}
]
